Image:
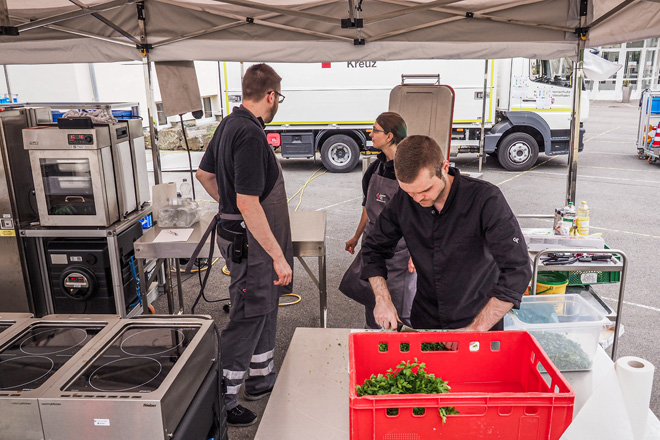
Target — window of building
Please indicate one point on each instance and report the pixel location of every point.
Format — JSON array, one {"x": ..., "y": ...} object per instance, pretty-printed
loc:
[
  {"x": 609, "y": 83},
  {"x": 208, "y": 106},
  {"x": 160, "y": 111},
  {"x": 631, "y": 68}
]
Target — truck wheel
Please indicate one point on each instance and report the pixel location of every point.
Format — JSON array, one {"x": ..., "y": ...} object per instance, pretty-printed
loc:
[
  {"x": 340, "y": 154},
  {"x": 518, "y": 152}
]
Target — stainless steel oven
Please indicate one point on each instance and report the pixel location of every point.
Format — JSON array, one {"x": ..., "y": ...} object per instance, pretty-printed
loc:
[
  {"x": 85, "y": 176},
  {"x": 38, "y": 352},
  {"x": 135, "y": 383}
]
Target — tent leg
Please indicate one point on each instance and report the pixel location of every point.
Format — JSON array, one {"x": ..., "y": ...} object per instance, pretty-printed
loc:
[
  {"x": 151, "y": 105},
  {"x": 578, "y": 81}
]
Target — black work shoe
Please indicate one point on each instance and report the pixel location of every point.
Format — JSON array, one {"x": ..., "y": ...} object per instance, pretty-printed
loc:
[
  {"x": 259, "y": 395},
  {"x": 240, "y": 416}
]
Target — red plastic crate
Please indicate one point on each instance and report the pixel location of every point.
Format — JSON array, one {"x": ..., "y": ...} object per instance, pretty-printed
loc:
[{"x": 495, "y": 381}]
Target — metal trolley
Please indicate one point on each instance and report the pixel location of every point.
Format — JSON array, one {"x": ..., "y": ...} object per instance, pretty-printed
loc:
[{"x": 648, "y": 132}]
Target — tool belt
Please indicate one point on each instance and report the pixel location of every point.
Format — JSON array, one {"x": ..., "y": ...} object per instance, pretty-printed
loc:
[{"x": 238, "y": 247}]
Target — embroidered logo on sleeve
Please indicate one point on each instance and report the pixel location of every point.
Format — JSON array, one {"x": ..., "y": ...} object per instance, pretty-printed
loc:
[{"x": 516, "y": 239}]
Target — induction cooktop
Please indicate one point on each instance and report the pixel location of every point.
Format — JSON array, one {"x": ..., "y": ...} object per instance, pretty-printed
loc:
[
  {"x": 38, "y": 350},
  {"x": 136, "y": 382}
]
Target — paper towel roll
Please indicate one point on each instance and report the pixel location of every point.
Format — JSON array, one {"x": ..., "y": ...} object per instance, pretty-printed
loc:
[
  {"x": 635, "y": 377},
  {"x": 160, "y": 195}
]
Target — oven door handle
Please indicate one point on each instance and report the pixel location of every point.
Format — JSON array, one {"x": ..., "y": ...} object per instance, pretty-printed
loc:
[{"x": 68, "y": 199}]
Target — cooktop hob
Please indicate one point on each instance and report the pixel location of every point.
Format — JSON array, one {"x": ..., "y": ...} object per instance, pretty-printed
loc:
[
  {"x": 40, "y": 351},
  {"x": 138, "y": 361}
]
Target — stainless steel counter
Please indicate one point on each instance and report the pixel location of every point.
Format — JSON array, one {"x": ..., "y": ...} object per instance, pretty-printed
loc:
[
  {"x": 307, "y": 234},
  {"x": 310, "y": 398}
]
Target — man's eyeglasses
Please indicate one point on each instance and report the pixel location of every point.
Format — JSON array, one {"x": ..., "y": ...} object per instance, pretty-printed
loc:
[{"x": 281, "y": 96}]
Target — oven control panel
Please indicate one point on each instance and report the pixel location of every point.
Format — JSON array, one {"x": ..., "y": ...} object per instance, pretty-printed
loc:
[{"x": 80, "y": 139}]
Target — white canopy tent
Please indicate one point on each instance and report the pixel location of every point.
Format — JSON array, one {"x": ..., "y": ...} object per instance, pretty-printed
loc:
[
  {"x": 55, "y": 31},
  {"x": 63, "y": 31}
]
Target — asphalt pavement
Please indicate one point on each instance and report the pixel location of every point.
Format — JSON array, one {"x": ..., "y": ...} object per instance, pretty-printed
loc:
[{"x": 620, "y": 189}]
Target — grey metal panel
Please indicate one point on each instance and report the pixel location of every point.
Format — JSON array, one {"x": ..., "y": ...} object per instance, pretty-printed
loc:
[
  {"x": 14, "y": 208},
  {"x": 14, "y": 320},
  {"x": 123, "y": 166},
  {"x": 139, "y": 161},
  {"x": 21, "y": 418},
  {"x": 427, "y": 110},
  {"x": 131, "y": 415},
  {"x": 53, "y": 138}
]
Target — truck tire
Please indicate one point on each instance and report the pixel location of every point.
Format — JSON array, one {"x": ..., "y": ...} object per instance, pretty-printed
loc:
[
  {"x": 340, "y": 154},
  {"x": 518, "y": 152}
]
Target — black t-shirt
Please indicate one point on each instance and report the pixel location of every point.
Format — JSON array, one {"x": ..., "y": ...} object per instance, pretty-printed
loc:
[
  {"x": 382, "y": 167},
  {"x": 242, "y": 161}
]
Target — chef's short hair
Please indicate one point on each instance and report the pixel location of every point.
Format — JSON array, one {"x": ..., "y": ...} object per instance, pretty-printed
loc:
[
  {"x": 258, "y": 80},
  {"x": 415, "y": 153}
]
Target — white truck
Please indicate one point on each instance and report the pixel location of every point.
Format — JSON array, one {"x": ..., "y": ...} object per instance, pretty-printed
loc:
[{"x": 331, "y": 107}]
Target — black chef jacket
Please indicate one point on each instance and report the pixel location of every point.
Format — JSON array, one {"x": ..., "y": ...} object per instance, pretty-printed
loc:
[{"x": 469, "y": 252}]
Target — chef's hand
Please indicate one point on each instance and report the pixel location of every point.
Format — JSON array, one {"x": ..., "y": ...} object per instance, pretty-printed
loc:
[
  {"x": 411, "y": 266},
  {"x": 385, "y": 314},
  {"x": 351, "y": 243},
  {"x": 283, "y": 271}
]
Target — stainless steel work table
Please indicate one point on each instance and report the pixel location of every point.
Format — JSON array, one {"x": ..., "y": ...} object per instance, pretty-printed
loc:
[
  {"x": 307, "y": 234},
  {"x": 310, "y": 397}
]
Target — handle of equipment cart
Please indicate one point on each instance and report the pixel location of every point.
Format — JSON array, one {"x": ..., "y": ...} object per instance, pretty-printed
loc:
[
  {"x": 622, "y": 282},
  {"x": 426, "y": 79}
]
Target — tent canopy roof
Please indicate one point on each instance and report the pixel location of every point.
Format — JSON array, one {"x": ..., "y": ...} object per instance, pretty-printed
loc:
[{"x": 57, "y": 31}]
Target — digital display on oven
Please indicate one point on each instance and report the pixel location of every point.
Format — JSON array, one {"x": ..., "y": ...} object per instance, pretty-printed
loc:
[{"x": 80, "y": 139}]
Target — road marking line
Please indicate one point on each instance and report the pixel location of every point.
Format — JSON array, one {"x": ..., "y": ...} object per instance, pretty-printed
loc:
[
  {"x": 628, "y": 303},
  {"x": 616, "y": 169},
  {"x": 340, "y": 203},
  {"x": 626, "y": 232},
  {"x": 620, "y": 179},
  {"x": 605, "y": 132},
  {"x": 525, "y": 172},
  {"x": 611, "y": 154}
]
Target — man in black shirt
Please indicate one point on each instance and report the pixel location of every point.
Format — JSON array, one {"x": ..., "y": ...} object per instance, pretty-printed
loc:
[
  {"x": 241, "y": 172},
  {"x": 470, "y": 255}
]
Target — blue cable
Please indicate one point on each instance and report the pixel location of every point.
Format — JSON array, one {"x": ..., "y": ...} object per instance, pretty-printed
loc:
[{"x": 131, "y": 263}]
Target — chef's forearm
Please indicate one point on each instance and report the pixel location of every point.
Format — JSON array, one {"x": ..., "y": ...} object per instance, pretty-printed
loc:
[
  {"x": 490, "y": 315},
  {"x": 379, "y": 286},
  {"x": 363, "y": 222}
]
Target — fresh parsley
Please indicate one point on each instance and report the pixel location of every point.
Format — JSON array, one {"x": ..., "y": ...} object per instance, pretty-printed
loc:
[{"x": 407, "y": 378}]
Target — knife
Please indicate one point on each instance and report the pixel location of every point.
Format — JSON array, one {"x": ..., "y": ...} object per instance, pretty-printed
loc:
[{"x": 401, "y": 327}]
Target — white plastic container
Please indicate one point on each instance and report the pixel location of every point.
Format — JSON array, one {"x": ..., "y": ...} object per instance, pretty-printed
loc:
[{"x": 566, "y": 326}]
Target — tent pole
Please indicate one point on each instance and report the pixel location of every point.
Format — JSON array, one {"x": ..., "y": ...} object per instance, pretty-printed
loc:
[
  {"x": 151, "y": 105},
  {"x": 482, "y": 139},
  {"x": 11, "y": 100},
  {"x": 578, "y": 81}
]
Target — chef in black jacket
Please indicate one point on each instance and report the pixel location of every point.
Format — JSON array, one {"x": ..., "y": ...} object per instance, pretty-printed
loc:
[{"x": 466, "y": 244}]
